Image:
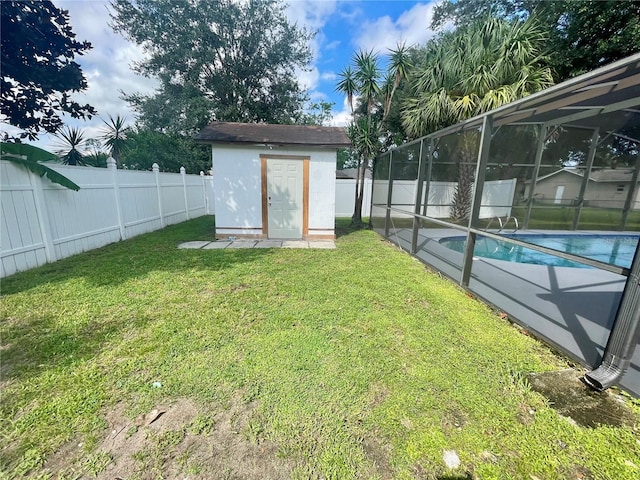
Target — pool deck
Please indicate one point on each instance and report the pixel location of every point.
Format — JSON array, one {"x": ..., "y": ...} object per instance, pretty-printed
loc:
[{"x": 572, "y": 309}]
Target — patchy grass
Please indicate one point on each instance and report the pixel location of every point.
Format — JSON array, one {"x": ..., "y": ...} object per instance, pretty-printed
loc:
[{"x": 347, "y": 363}]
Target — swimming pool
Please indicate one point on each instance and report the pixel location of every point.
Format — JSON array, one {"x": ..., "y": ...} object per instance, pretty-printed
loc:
[{"x": 614, "y": 249}]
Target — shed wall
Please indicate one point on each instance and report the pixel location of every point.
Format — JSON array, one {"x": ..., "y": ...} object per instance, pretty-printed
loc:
[{"x": 238, "y": 188}]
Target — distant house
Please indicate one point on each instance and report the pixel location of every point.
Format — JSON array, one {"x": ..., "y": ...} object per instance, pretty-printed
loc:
[
  {"x": 606, "y": 188},
  {"x": 274, "y": 181},
  {"x": 347, "y": 173}
]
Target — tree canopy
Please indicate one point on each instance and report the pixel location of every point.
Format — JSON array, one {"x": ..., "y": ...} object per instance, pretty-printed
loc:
[
  {"x": 474, "y": 69},
  {"x": 170, "y": 151},
  {"x": 582, "y": 34},
  {"x": 215, "y": 60},
  {"x": 38, "y": 67}
]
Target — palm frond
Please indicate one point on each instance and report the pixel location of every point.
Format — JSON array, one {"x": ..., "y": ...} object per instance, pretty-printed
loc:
[{"x": 16, "y": 153}]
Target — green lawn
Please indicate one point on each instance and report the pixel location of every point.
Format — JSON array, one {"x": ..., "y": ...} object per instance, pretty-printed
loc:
[{"x": 351, "y": 363}]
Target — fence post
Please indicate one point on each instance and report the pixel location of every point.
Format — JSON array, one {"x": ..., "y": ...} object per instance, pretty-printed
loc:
[
  {"x": 204, "y": 193},
  {"x": 156, "y": 170},
  {"x": 43, "y": 216},
  {"x": 183, "y": 172},
  {"x": 113, "y": 166}
]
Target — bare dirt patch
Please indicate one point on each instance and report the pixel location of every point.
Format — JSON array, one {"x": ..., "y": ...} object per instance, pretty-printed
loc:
[{"x": 179, "y": 440}]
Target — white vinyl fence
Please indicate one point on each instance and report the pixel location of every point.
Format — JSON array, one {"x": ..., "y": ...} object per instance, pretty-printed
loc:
[
  {"x": 497, "y": 197},
  {"x": 43, "y": 222},
  {"x": 345, "y": 197}
]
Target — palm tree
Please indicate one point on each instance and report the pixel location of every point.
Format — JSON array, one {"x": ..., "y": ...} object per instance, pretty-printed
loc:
[
  {"x": 70, "y": 141},
  {"x": 365, "y": 81},
  {"x": 473, "y": 70},
  {"x": 470, "y": 71},
  {"x": 347, "y": 85},
  {"x": 115, "y": 137}
]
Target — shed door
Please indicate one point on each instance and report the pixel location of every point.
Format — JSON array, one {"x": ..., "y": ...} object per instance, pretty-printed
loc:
[
  {"x": 559, "y": 194},
  {"x": 285, "y": 198}
]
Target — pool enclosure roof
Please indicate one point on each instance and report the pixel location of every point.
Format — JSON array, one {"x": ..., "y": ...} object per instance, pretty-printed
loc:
[{"x": 608, "y": 97}]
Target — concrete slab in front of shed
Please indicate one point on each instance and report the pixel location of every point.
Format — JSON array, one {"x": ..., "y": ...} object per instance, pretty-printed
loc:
[
  {"x": 268, "y": 244},
  {"x": 198, "y": 244},
  {"x": 322, "y": 244},
  {"x": 243, "y": 244},
  {"x": 219, "y": 244},
  {"x": 295, "y": 244}
]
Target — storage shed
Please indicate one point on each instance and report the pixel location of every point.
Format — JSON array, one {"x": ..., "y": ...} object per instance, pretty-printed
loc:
[{"x": 274, "y": 181}]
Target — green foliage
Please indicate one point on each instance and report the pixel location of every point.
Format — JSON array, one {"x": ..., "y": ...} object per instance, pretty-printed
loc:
[
  {"x": 115, "y": 137},
  {"x": 347, "y": 158},
  {"x": 170, "y": 151},
  {"x": 36, "y": 82},
  {"x": 369, "y": 129},
  {"x": 583, "y": 34},
  {"x": 316, "y": 114},
  {"x": 474, "y": 69},
  {"x": 94, "y": 154},
  {"x": 70, "y": 141},
  {"x": 215, "y": 60},
  {"x": 15, "y": 153},
  {"x": 369, "y": 367}
]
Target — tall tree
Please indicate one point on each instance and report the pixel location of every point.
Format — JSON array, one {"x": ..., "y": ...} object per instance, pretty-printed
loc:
[
  {"x": 38, "y": 67},
  {"x": 468, "y": 71},
  {"x": 215, "y": 60},
  {"x": 583, "y": 34},
  {"x": 375, "y": 94}
]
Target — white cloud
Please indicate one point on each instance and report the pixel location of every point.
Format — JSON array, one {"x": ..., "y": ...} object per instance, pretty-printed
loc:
[
  {"x": 412, "y": 27},
  {"x": 332, "y": 45},
  {"x": 308, "y": 79},
  {"x": 329, "y": 76},
  {"x": 343, "y": 117},
  {"x": 107, "y": 68}
]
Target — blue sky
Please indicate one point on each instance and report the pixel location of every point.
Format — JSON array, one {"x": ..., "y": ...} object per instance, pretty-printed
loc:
[{"x": 343, "y": 27}]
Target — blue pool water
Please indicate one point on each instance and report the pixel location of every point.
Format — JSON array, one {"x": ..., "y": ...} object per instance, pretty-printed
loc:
[{"x": 614, "y": 249}]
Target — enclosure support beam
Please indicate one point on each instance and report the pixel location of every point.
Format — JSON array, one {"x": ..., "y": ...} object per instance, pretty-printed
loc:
[
  {"x": 624, "y": 333},
  {"x": 631, "y": 194},
  {"x": 387, "y": 217},
  {"x": 425, "y": 155},
  {"x": 542, "y": 139},
  {"x": 481, "y": 168},
  {"x": 593, "y": 146},
  {"x": 433, "y": 144}
]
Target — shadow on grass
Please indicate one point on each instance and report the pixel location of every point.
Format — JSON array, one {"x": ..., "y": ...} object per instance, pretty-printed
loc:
[
  {"x": 119, "y": 262},
  {"x": 344, "y": 226},
  {"x": 30, "y": 345}
]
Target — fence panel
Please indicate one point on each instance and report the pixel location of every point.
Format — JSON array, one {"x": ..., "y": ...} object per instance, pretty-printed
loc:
[
  {"x": 345, "y": 197},
  {"x": 43, "y": 222}
]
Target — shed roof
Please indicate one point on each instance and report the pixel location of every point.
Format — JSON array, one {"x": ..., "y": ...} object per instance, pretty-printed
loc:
[{"x": 268, "y": 134}]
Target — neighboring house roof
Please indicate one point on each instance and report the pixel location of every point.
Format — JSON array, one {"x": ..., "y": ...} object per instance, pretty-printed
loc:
[
  {"x": 267, "y": 134},
  {"x": 351, "y": 173},
  {"x": 607, "y": 175},
  {"x": 617, "y": 175}
]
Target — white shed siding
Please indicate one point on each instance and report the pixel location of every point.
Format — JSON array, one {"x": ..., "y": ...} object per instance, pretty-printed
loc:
[
  {"x": 238, "y": 188},
  {"x": 237, "y": 191},
  {"x": 322, "y": 192}
]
